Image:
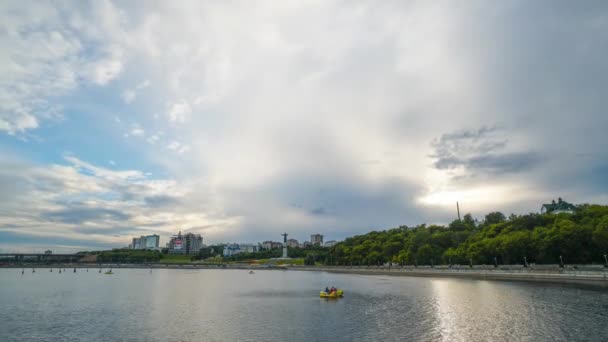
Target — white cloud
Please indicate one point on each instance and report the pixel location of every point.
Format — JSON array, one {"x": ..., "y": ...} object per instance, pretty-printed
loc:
[
  {"x": 152, "y": 139},
  {"x": 129, "y": 95},
  {"x": 21, "y": 122},
  {"x": 100, "y": 172},
  {"x": 84, "y": 204},
  {"x": 178, "y": 147},
  {"x": 106, "y": 70},
  {"x": 137, "y": 131},
  {"x": 292, "y": 107},
  {"x": 179, "y": 112},
  {"x": 46, "y": 54},
  {"x": 314, "y": 92},
  {"x": 144, "y": 84}
]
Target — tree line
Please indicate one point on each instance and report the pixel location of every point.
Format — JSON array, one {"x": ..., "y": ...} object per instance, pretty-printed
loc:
[
  {"x": 577, "y": 238},
  {"x": 311, "y": 254},
  {"x": 129, "y": 256}
]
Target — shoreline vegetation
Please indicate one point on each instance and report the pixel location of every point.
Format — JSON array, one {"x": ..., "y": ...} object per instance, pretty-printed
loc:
[
  {"x": 580, "y": 237},
  {"x": 569, "y": 245}
]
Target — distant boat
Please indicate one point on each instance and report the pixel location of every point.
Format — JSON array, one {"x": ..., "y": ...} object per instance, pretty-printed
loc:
[
  {"x": 251, "y": 272},
  {"x": 109, "y": 272},
  {"x": 335, "y": 294}
]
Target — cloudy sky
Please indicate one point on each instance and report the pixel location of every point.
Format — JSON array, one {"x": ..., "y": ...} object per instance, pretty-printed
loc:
[{"x": 239, "y": 120}]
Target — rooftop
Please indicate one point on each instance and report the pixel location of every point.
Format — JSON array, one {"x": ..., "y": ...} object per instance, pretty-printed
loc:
[{"x": 560, "y": 205}]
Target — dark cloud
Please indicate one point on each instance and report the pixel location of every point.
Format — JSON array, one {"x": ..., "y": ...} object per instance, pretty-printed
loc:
[
  {"x": 482, "y": 140},
  {"x": 334, "y": 207},
  {"x": 507, "y": 162},
  {"x": 492, "y": 163},
  {"x": 56, "y": 243},
  {"x": 318, "y": 211},
  {"x": 468, "y": 134},
  {"x": 78, "y": 215},
  {"x": 480, "y": 150},
  {"x": 107, "y": 231}
]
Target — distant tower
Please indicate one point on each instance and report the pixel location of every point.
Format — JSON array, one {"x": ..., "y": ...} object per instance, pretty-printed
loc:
[
  {"x": 284, "y": 246},
  {"x": 458, "y": 210}
]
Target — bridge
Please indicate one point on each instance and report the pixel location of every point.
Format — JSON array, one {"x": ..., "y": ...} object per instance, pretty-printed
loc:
[{"x": 39, "y": 258}]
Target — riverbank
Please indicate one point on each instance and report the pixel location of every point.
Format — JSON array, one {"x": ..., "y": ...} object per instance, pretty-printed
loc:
[{"x": 581, "y": 275}]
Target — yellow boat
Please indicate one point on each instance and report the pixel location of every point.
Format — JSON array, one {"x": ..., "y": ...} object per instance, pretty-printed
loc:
[{"x": 339, "y": 293}]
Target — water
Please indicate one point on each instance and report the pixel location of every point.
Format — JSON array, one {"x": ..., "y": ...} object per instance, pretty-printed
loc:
[{"x": 233, "y": 305}]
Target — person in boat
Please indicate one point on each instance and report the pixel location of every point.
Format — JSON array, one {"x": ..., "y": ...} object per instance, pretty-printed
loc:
[
  {"x": 333, "y": 289},
  {"x": 326, "y": 289}
]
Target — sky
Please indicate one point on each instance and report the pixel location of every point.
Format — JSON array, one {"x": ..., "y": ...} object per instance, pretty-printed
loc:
[{"x": 241, "y": 120}]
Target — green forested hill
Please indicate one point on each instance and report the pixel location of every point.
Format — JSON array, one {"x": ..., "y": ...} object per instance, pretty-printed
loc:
[{"x": 581, "y": 237}]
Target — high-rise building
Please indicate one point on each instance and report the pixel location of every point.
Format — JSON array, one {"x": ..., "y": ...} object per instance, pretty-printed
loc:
[
  {"x": 249, "y": 247},
  {"x": 330, "y": 243},
  {"x": 236, "y": 248},
  {"x": 136, "y": 243},
  {"x": 268, "y": 245},
  {"x": 152, "y": 241},
  {"x": 185, "y": 244},
  {"x": 293, "y": 243},
  {"x": 146, "y": 242},
  {"x": 316, "y": 239}
]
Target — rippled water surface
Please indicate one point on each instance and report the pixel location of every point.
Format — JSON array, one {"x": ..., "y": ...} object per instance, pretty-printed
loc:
[{"x": 233, "y": 305}]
